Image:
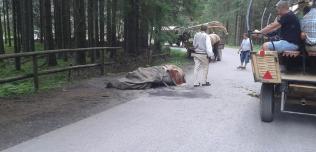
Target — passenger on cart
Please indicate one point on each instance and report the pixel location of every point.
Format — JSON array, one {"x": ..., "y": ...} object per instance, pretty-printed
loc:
[
  {"x": 308, "y": 25},
  {"x": 290, "y": 30}
]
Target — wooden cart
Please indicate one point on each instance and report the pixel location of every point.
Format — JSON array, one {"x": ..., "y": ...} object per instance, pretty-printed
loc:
[{"x": 296, "y": 90}]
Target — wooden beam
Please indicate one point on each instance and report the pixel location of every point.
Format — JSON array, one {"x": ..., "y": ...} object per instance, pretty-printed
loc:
[
  {"x": 51, "y": 71},
  {"x": 25, "y": 54},
  {"x": 12, "y": 79}
]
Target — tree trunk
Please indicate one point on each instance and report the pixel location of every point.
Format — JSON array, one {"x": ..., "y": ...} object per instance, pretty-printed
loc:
[
  {"x": 108, "y": 23},
  {"x": 91, "y": 30},
  {"x": 48, "y": 33},
  {"x": 80, "y": 29},
  {"x": 58, "y": 24},
  {"x": 1, "y": 39},
  {"x": 102, "y": 18},
  {"x": 96, "y": 27},
  {"x": 131, "y": 26},
  {"x": 237, "y": 29},
  {"x": 66, "y": 26},
  {"x": 27, "y": 28},
  {"x": 96, "y": 22},
  {"x": 144, "y": 31},
  {"x": 16, "y": 32},
  {"x": 4, "y": 22},
  {"x": 8, "y": 23},
  {"x": 113, "y": 24},
  {"x": 41, "y": 8}
]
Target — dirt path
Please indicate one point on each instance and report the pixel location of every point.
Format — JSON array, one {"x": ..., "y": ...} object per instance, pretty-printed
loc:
[{"x": 24, "y": 118}]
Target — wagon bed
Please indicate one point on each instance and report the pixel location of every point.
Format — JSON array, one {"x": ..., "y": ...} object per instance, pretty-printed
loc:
[{"x": 299, "y": 77}]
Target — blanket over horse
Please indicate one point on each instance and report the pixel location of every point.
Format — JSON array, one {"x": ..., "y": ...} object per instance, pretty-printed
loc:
[{"x": 145, "y": 78}]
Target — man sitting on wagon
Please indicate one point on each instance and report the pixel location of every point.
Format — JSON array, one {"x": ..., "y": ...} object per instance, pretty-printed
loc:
[
  {"x": 308, "y": 24},
  {"x": 290, "y": 30}
]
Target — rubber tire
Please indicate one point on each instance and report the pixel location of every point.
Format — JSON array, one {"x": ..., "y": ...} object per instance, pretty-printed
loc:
[{"x": 266, "y": 102}]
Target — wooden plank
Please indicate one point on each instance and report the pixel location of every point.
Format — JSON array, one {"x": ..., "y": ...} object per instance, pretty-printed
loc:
[
  {"x": 303, "y": 86},
  {"x": 13, "y": 79},
  {"x": 25, "y": 54},
  {"x": 299, "y": 77},
  {"x": 267, "y": 63},
  {"x": 52, "y": 71}
]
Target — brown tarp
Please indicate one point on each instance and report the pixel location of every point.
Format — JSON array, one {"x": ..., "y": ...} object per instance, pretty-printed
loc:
[
  {"x": 145, "y": 78},
  {"x": 217, "y": 25}
]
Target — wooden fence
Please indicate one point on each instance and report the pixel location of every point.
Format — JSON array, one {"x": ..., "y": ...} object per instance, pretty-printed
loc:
[{"x": 36, "y": 73}]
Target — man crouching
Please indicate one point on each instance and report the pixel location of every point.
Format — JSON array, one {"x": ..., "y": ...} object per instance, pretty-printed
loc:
[{"x": 202, "y": 55}]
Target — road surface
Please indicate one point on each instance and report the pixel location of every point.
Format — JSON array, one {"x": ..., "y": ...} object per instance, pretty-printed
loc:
[{"x": 220, "y": 118}]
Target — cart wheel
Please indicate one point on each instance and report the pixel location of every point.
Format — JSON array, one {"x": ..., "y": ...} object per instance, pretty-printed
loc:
[{"x": 266, "y": 102}]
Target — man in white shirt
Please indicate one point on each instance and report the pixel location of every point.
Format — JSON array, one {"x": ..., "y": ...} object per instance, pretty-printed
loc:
[
  {"x": 202, "y": 53},
  {"x": 245, "y": 48}
]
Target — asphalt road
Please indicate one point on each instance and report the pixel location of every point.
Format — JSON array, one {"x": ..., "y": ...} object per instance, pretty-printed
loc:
[{"x": 220, "y": 118}]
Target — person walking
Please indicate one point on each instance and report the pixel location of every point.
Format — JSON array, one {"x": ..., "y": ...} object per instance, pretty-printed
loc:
[
  {"x": 244, "y": 52},
  {"x": 203, "y": 53}
]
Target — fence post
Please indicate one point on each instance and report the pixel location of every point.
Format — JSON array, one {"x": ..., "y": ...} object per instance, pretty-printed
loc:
[
  {"x": 35, "y": 72},
  {"x": 102, "y": 62}
]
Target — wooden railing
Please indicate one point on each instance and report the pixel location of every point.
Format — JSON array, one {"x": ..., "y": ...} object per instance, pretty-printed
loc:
[{"x": 36, "y": 73}]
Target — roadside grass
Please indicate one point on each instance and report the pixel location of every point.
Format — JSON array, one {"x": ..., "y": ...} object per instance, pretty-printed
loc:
[
  {"x": 177, "y": 57},
  {"x": 25, "y": 87}
]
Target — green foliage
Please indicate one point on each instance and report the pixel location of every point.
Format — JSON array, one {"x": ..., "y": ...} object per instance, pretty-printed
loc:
[
  {"x": 25, "y": 87},
  {"x": 163, "y": 13},
  {"x": 178, "y": 57},
  {"x": 226, "y": 11},
  {"x": 16, "y": 88},
  {"x": 8, "y": 49},
  {"x": 256, "y": 48},
  {"x": 39, "y": 46}
]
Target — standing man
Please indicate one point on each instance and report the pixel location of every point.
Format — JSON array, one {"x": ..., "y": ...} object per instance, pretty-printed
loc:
[
  {"x": 202, "y": 56},
  {"x": 289, "y": 26},
  {"x": 245, "y": 48}
]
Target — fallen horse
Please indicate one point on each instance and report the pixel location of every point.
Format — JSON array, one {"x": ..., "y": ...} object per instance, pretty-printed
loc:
[{"x": 145, "y": 78}]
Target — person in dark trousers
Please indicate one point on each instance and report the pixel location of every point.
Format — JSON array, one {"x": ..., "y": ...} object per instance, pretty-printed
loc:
[{"x": 244, "y": 52}]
